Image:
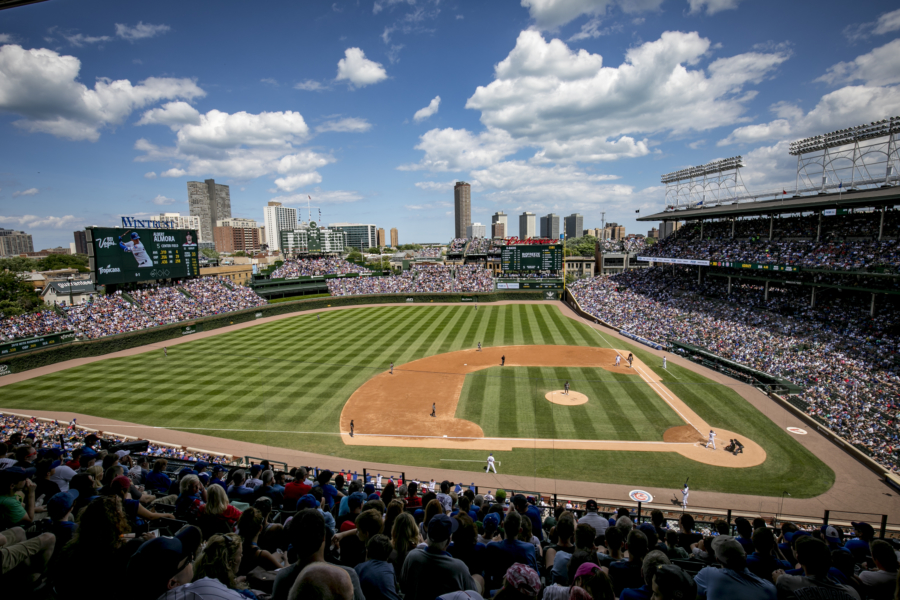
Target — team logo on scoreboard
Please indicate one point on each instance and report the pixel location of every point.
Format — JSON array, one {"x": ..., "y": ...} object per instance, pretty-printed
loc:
[{"x": 109, "y": 269}]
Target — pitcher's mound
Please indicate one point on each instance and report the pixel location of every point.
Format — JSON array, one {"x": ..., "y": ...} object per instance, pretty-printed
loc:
[
  {"x": 570, "y": 399},
  {"x": 681, "y": 434}
]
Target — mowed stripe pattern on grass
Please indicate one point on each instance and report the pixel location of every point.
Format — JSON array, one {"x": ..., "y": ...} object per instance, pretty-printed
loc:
[
  {"x": 510, "y": 402},
  {"x": 292, "y": 374}
]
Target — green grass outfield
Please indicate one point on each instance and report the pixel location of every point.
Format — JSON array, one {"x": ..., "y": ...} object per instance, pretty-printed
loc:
[{"x": 284, "y": 384}]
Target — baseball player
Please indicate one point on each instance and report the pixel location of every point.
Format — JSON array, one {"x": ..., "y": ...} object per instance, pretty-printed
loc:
[
  {"x": 318, "y": 317},
  {"x": 664, "y": 362},
  {"x": 137, "y": 250},
  {"x": 351, "y": 427},
  {"x": 630, "y": 359},
  {"x": 490, "y": 464},
  {"x": 392, "y": 368},
  {"x": 165, "y": 351},
  {"x": 618, "y": 359},
  {"x": 479, "y": 346},
  {"x": 566, "y": 392},
  {"x": 503, "y": 360},
  {"x": 684, "y": 495},
  {"x": 433, "y": 409},
  {"x": 378, "y": 481},
  {"x": 712, "y": 439}
]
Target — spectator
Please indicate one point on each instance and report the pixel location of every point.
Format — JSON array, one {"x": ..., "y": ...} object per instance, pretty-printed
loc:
[
  {"x": 879, "y": 583},
  {"x": 164, "y": 565},
  {"x": 500, "y": 556},
  {"x": 322, "y": 580},
  {"x": 519, "y": 583},
  {"x": 673, "y": 550},
  {"x": 355, "y": 503},
  {"x": 23, "y": 557},
  {"x": 307, "y": 534},
  {"x": 673, "y": 583},
  {"x": 59, "y": 509},
  {"x": 651, "y": 564},
  {"x": 763, "y": 561},
  {"x": 267, "y": 490},
  {"x": 394, "y": 510},
  {"x": 627, "y": 573},
  {"x": 157, "y": 480},
  {"x": 733, "y": 581},
  {"x": 237, "y": 490},
  {"x": 219, "y": 508},
  {"x": 250, "y": 525},
  {"x": 598, "y": 523},
  {"x": 376, "y": 575},
  {"x": 12, "y": 513},
  {"x": 353, "y": 549},
  {"x": 532, "y": 513},
  {"x": 330, "y": 493},
  {"x": 430, "y": 572},
  {"x": 405, "y": 538},
  {"x": 191, "y": 499},
  {"x": 465, "y": 546},
  {"x": 220, "y": 560},
  {"x": 815, "y": 559}
]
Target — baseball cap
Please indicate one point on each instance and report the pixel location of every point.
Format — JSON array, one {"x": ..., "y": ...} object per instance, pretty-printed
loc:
[
  {"x": 255, "y": 468},
  {"x": 586, "y": 569},
  {"x": 60, "y": 504},
  {"x": 204, "y": 477},
  {"x": 202, "y": 464},
  {"x": 308, "y": 501},
  {"x": 647, "y": 529},
  {"x": 369, "y": 489},
  {"x": 549, "y": 523},
  {"x": 863, "y": 528},
  {"x": 831, "y": 534},
  {"x": 13, "y": 475},
  {"x": 218, "y": 469},
  {"x": 134, "y": 235},
  {"x": 187, "y": 471},
  {"x": 122, "y": 482},
  {"x": 591, "y": 505},
  {"x": 492, "y": 519},
  {"x": 373, "y": 496},
  {"x": 524, "y": 580},
  {"x": 726, "y": 548},
  {"x": 356, "y": 500},
  {"x": 519, "y": 499},
  {"x": 122, "y": 453},
  {"x": 793, "y": 536},
  {"x": 441, "y": 527},
  {"x": 164, "y": 557}
]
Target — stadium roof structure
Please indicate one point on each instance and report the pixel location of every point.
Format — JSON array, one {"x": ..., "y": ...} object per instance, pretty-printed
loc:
[
  {"x": 15, "y": 3},
  {"x": 886, "y": 196}
]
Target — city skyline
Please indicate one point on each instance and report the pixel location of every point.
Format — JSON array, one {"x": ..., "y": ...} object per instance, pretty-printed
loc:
[{"x": 575, "y": 107}]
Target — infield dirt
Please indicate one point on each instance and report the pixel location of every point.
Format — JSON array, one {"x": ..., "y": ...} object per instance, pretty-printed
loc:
[{"x": 395, "y": 409}]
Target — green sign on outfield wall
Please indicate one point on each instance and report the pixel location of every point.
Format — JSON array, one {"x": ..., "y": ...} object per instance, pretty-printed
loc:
[{"x": 36, "y": 343}]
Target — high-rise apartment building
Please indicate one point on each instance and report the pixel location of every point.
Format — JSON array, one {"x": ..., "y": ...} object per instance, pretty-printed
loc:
[
  {"x": 13, "y": 243},
  {"x": 379, "y": 238},
  {"x": 526, "y": 225},
  {"x": 182, "y": 221},
  {"x": 462, "y": 206},
  {"x": 500, "y": 217},
  {"x": 498, "y": 230},
  {"x": 476, "y": 230},
  {"x": 667, "y": 228},
  {"x": 359, "y": 235},
  {"x": 574, "y": 225},
  {"x": 234, "y": 235},
  {"x": 653, "y": 233},
  {"x": 550, "y": 227},
  {"x": 595, "y": 232},
  {"x": 613, "y": 231},
  {"x": 80, "y": 242},
  {"x": 395, "y": 238},
  {"x": 211, "y": 202},
  {"x": 278, "y": 218}
]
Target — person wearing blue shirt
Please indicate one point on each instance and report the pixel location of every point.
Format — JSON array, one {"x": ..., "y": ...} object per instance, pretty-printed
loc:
[
  {"x": 238, "y": 491},
  {"x": 500, "y": 556},
  {"x": 763, "y": 561},
  {"x": 216, "y": 480},
  {"x": 745, "y": 534},
  {"x": 157, "y": 479},
  {"x": 734, "y": 581},
  {"x": 652, "y": 562},
  {"x": 531, "y": 512},
  {"x": 329, "y": 491},
  {"x": 59, "y": 508},
  {"x": 376, "y": 576}
]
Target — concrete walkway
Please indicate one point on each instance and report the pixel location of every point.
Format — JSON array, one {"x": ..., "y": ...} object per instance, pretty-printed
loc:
[{"x": 858, "y": 493}]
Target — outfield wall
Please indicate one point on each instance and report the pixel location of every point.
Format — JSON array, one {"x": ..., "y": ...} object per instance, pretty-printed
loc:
[{"x": 115, "y": 343}]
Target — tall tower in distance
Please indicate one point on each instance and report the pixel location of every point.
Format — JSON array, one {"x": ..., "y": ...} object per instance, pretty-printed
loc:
[
  {"x": 462, "y": 205},
  {"x": 394, "y": 238},
  {"x": 211, "y": 202},
  {"x": 574, "y": 226},
  {"x": 526, "y": 225}
]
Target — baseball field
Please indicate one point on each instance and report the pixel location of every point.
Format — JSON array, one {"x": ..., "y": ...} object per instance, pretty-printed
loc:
[{"x": 297, "y": 382}]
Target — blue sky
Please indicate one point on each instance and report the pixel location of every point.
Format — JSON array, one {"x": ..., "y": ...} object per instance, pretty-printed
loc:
[{"x": 375, "y": 108}]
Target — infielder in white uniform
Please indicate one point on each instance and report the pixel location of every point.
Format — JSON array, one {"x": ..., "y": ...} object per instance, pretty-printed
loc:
[
  {"x": 378, "y": 481},
  {"x": 618, "y": 359},
  {"x": 685, "y": 493},
  {"x": 712, "y": 439},
  {"x": 490, "y": 466},
  {"x": 664, "y": 362},
  {"x": 137, "y": 250}
]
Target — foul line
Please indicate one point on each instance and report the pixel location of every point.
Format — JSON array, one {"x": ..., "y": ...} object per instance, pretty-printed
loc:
[{"x": 466, "y": 460}]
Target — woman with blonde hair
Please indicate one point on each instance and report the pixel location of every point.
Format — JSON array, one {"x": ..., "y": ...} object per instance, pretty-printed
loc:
[
  {"x": 221, "y": 559},
  {"x": 97, "y": 473},
  {"x": 217, "y": 506},
  {"x": 405, "y": 538}
]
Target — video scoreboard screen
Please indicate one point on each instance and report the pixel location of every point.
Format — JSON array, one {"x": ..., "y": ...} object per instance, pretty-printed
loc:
[
  {"x": 119, "y": 255},
  {"x": 535, "y": 257}
]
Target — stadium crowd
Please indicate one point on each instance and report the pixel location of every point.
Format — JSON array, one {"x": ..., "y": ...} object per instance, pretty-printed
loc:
[
  {"x": 457, "y": 245},
  {"x": 627, "y": 245},
  {"x": 847, "y": 243},
  {"x": 479, "y": 246},
  {"x": 430, "y": 252},
  {"x": 207, "y": 532},
  {"x": 153, "y": 305},
  {"x": 419, "y": 279},
  {"x": 846, "y": 361},
  {"x": 305, "y": 267}
]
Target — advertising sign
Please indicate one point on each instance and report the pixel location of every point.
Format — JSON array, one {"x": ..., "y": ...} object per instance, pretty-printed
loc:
[
  {"x": 189, "y": 329},
  {"x": 467, "y": 298},
  {"x": 35, "y": 343},
  {"x": 674, "y": 261},
  {"x": 126, "y": 255}
]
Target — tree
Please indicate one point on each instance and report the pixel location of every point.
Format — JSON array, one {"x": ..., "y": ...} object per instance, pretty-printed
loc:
[
  {"x": 64, "y": 261},
  {"x": 583, "y": 246},
  {"x": 240, "y": 253},
  {"x": 209, "y": 253},
  {"x": 17, "y": 295},
  {"x": 409, "y": 247},
  {"x": 373, "y": 251},
  {"x": 18, "y": 264}
]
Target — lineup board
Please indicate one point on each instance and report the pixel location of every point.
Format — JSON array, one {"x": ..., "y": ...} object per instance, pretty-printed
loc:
[
  {"x": 125, "y": 255},
  {"x": 535, "y": 257}
]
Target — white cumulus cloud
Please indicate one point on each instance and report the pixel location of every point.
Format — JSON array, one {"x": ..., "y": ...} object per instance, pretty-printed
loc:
[
  {"x": 349, "y": 124},
  {"x": 140, "y": 31},
  {"x": 881, "y": 66},
  {"x": 41, "y": 86},
  {"x": 173, "y": 172},
  {"x": 886, "y": 23},
  {"x": 163, "y": 200},
  {"x": 38, "y": 222},
  {"x": 321, "y": 197},
  {"x": 550, "y": 14},
  {"x": 150, "y": 175},
  {"x": 424, "y": 113},
  {"x": 359, "y": 70},
  {"x": 28, "y": 192},
  {"x": 310, "y": 85}
]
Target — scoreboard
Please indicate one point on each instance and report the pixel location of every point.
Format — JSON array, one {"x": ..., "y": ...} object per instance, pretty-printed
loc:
[
  {"x": 532, "y": 257},
  {"x": 120, "y": 255}
]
